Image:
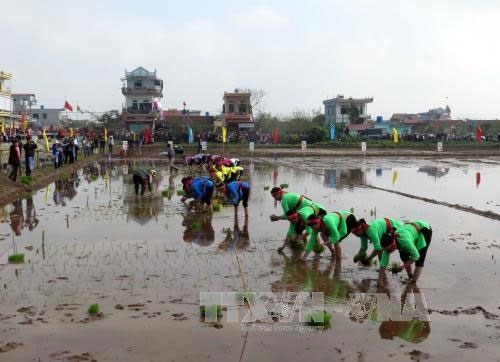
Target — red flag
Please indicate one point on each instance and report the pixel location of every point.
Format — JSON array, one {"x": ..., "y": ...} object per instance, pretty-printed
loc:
[
  {"x": 275, "y": 135},
  {"x": 68, "y": 106},
  {"x": 479, "y": 134},
  {"x": 147, "y": 136},
  {"x": 478, "y": 178}
]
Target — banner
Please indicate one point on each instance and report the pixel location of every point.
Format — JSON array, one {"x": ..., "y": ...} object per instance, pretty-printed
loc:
[
  {"x": 479, "y": 134},
  {"x": 395, "y": 135},
  {"x": 332, "y": 133},
  {"x": 190, "y": 135},
  {"x": 47, "y": 148},
  {"x": 223, "y": 134},
  {"x": 275, "y": 135}
]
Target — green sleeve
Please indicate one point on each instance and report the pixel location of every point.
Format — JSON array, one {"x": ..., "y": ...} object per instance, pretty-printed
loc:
[
  {"x": 384, "y": 261},
  {"x": 334, "y": 235},
  {"x": 374, "y": 237},
  {"x": 364, "y": 242},
  {"x": 312, "y": 241}
]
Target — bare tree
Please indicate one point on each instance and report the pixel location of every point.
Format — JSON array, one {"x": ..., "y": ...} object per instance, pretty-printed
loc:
[{"x": 257, "y": 101}]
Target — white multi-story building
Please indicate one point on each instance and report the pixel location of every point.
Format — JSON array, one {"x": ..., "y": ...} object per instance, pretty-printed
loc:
[
  {"x": 143, "y": 91},
  {"x": 337, "y": 109},
  {"x": 5, "y": 98}
]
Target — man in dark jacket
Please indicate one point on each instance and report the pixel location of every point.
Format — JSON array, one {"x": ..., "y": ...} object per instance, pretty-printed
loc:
[{"x": 29, "y": 155}]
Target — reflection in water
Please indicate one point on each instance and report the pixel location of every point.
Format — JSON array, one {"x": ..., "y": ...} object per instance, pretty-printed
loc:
[
  {"x": 415, "y": 330},
  {"x": 434, "y": 171},
  {"x": 343, "y": 177},
  {"x": 239, "y": 238},
  {"x": 65, "y": 189},
  {"x": 199, "y": 229},
  {"x": 17, "y": 217},
  {"x": 31, "y": 220},
  {"x": 143, "y": 209},
  {"x": 299, "y": 276}
]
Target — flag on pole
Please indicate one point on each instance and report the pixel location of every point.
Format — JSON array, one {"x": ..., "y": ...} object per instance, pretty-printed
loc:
[
  {"x": 332, "y": 132},
  {"x": 275, "y": 135},
  {"x": 79, "y": 109},
  {"x": 395, "y": 135},
  {"x": 479, "y": 134},
  {"x": 47, "y": 148},
  {"x": 184, "y": 103},
  {"x": 68, "y": 106},
  {"x": 23, "y": 121},
  {"x": 106, "y": 134},
  {"x": 223, "y": 134},
  {"x": 478, "y": 179},
  {"x": 190, "y": 135},
  {"x": 71, "y": 133}
]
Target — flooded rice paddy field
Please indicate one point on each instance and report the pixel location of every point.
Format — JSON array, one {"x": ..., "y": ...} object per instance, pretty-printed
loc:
[{"x": 144, "y": 260}]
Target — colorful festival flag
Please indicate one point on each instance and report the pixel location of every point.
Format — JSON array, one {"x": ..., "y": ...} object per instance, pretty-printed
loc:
[
  {"x": 68, "y": 106},
  {"x": 395, "y": 135}
]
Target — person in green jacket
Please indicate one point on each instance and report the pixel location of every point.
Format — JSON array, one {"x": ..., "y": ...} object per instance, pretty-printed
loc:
[
  {"x": 297, "y": 231},
  {"x": 412, "y": 240},
  {"x": 333, "y": 229},
  {"x": 372, "y": 233},
  {"x": 292, "y": 201}
]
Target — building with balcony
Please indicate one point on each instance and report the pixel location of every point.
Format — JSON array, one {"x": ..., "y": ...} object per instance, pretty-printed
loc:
[
  {"x": 48, "y": 118},
  {"x": 5, "y": 98},
  {"x": 22, "y": 103},
  {"x": 337, "y": 109},
  {"x": 143, "y": 91},
  {"x": 236, "y": 110}
]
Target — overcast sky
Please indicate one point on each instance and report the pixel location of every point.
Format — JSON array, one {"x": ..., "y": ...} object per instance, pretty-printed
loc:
[{"x": 409, "y": 55}]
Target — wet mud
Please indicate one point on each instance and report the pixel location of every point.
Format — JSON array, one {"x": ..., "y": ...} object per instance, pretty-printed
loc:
[{"x": 89, "y": 239}]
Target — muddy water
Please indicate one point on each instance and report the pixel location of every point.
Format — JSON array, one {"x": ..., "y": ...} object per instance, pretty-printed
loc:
[{"x": 145, "y": 260}]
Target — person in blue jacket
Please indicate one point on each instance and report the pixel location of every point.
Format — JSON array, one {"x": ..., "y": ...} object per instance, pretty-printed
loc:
[
  {"x": 236, "y": 191},
  {"x": 200, "y": 189}
]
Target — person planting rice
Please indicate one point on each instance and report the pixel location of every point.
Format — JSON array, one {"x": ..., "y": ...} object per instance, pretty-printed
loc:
[
  {"x": 333, "y": 228},
  {"x": 297, "y": 232},
  {"x": 412, "y": 240},
  {"x": 199, "y": 188},
  {"x": 236, "y": 191},
  {"x": 372, "y": 233},
  {"x": 292, "y": 201},
  {"x": 143, "y": 177}
]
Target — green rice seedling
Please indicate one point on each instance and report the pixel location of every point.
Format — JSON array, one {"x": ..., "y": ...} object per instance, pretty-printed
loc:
[
  {"x": 16, "y": 258},
  {"x": 165, "y": 193},
  {"x": 297, "y": 246},
  {"x": 26, "y": 180},
  {"x": 284, "y": 186},
  {"x": 216, "y": 207},
  {"x": 94, "y": 177},
  {"x": 93, "y": 309},
  {"x": 196, "y": 225},
  {"x": 210, "y": 310},
  {"x": 318, "y": 248},
  {"x": 245, "y": 297},
  {"x": 181, "y": 193},
  {"x": 319, "y": 319},
  {"x": 395, "y": 265},
  {"x": 266, "y": 188}
]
